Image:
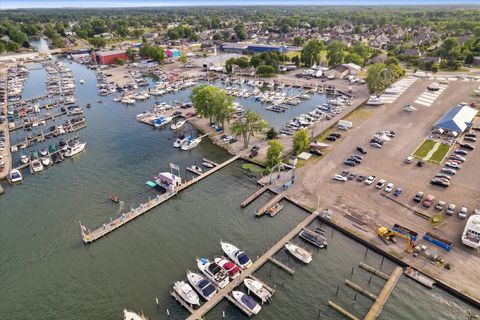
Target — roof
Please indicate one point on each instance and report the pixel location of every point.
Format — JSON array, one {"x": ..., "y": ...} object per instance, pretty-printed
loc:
[
  {"x": 456, "y": 119},
  {"x": 352, "y": 66},
  {"x": 234, "y": 45},
  {"x": 339, "y": 68},
  {"x": 109, "y": 53}
]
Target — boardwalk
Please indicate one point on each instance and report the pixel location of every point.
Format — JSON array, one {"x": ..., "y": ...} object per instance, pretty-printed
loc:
[
  {"x": 254, "y": 196},
  {"x": 269, "y": 204},
  {"x": 207, "y": 306},
  {"x": 106, "y": 228},
  {"x": 377, "y": 306}
]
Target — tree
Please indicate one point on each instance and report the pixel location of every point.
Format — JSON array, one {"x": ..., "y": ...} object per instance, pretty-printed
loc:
[
  {"x": 131, "y": 53},
  {"x": 255, "y": 61},
  {"x": 98, "y": 42},
  {"x": 354, "y": 58},
  {"x": 248, "y": 126},
  {"x": 298, "y": 40},
  {"x": 300, "y": 141},
  {"x": 240, "y": 31},
  {"x": 156, "y": 53},
  {"x": 119, "y": 61},
  {"x": 274, "y": 154},
  {"x": 311, "y": 53},
  {"x": 183, "y": 58},
  {"x": 212, "y": 102},
  {"x": 271, "y": 133},
  {"x": 380, "y": 76},
  {"x": 296, "y": 60},
  {"x": 336, "y": 53},
  {"x": 265, "y": 71}
]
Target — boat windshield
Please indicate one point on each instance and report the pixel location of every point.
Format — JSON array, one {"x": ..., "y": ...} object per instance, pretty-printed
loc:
[
  {"x": 242, "y": 258},
  {"x": 214, "y": 268},
  {"x": 207, "y": 288},
  {"x": 248, "y": 301}
]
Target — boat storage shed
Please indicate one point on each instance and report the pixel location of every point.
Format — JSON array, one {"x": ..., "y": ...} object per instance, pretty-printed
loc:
[{"x": 457, "y": 119}]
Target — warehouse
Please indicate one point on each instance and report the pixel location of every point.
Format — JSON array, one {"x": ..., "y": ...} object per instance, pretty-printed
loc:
[
  {"x": 108, "y": 57},
  {"x": 243, "y": 48},
  {"x": 457, "y": 119}
]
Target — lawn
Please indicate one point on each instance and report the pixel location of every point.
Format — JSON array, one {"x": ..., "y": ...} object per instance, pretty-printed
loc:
[
  {"x": 292, "y": 54},
  {"x": 423, "y": 149},
  {"x": 438, "y": 156}
]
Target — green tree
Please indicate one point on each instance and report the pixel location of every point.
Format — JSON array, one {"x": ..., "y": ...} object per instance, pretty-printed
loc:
[
  {"x": 375, "y": 80},
  {"x": 98, "y": 42},
  {"x": 271, "y": 133},
  {"x": 213, "y": 103},
  {"x": 183, "y": 58},
  {"x": 156, "y": 53},
  {"x": 249, "y": 125},
  {"x": 119, "y": 61},
  {"x": 298, "y": 40},
  {"x": 300, "y": 141},
  {"x": 311, "y": 53},
  {"x": 265, "y": 71},
  {"x": 240, "y": 31},
  {"x": 335, "y": 53},
  {"x": 131, "y": 53},
  {"x": 354, "y": 58},
  {"x": 274, "y": 154},
  {"x": 296, "y": 60}
]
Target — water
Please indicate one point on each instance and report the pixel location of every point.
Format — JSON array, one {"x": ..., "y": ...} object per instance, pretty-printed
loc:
[{"x": 47, "y": 273}]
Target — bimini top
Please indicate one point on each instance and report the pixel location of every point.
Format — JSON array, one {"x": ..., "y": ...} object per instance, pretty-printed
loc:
[{"x": 456, "y": 119}]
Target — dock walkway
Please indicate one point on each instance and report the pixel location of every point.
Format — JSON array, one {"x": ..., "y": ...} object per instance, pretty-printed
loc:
[
  {"x": 269, "y": 204},
  {"x": 207, "y": 306},
  {"x": 382, "y": 298},
  {"x": 254, "y": 196}
]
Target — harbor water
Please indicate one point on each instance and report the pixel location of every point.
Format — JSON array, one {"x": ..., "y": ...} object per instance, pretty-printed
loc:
[{"x": 47, "y": 272}]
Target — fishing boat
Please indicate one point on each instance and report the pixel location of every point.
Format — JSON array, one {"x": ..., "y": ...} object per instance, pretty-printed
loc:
[
  {"x": 232, "y": 269},
  {"x": 180, "y": 141},
  {"x": 207, "y": 164},
  {"x": 419, "y": 277},
  {"x": 298, "y": 252},
  {"x": 313, "y": 238},
  {"x": 471, "y": 233},
  {"x": 374, "y": 101},
  {"x": 115, "y": 198},
  {"x": 236, "y": 255},
  {"x": 16, "y": 176},
  {"x": 24, "y": 159},
  {"x": 246, "y": 301},
  {"x": 75, "y": 148},
  {"x": 275, "y": 209},
  {"x": 257, "y": 288},
  {"x": 186, "y": 292},
  {"x": 162, "y": 121},
  {"x": 130, "y": 315},
  {"x": 36, "y": 166},
  {"x": 191, "y": 143},
  {"x": 213, "y": 272},
  {"x": 202, "y": 285},
  {"x": 178, "y": 124},
  {"x": 45, "y": 161}
]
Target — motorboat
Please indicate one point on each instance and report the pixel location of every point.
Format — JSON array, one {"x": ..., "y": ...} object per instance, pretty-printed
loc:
[
  {"x": 16, "y": 176},
  {"x": 45, "y": 161},
  {"x": 232, "y": 269},
  {"x": 299, "y": 253},
  {"x": 130, "y": 315},
  {"x": 180, "y": 141},
  {"x": 202, "y": 285},
  {"x": 24, "y": 159},
  {"x": 37, "y": 166},
  {"x": 195, "y": 168},
  {"x": 162, "y": 121},
  {"x": 207, "y": 164},
  {"x": 128, "y": 101},
  {"x": 313, "y": 238},
  {"x": 178, "y": 124},
  {"x": 43, "y": 152},
  {"x": 257, "y": 288},
  {"x": 433, "y": 87},
  {"x": 374, "y": 101},
  {"x": 115, "y": 198},
  {"x": 74, "y": 149},
  {"x": 318, "y": 145},
  {"x": 82, "y": 81},
  {"x": 275, "y": 209},
  {"x": 236, "y": 255},
  {"x": 191, "y": 143},
  {"x": 471, "y": 233},
  {"x": 186, "y": 292},
  {"x": 213, "y": 272},
  {"x": 419, "y": 277},
  {"x": 246, "y": 301}
]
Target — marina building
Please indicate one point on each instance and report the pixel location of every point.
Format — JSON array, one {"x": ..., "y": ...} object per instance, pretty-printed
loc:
[
  {"x": 108, "y": 57},
  {"x": 173, "y": 53},
  {"x": 244, "y": 48},
  {"x": 457, "y": 119}
]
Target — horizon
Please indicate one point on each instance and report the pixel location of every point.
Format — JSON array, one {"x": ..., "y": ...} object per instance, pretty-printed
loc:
[{"x": 83, "y": 4}]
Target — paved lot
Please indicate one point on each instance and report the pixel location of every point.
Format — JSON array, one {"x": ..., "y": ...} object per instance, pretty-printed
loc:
[{"x": 315, "y": 185}]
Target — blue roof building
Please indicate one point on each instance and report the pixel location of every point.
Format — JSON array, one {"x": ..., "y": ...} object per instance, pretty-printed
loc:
[
  {"x": 457, "y": 119},
  {"x": 243, "y": 48}
]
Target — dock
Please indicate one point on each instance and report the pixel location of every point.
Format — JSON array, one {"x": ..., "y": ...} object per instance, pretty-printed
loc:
[
  {"x": 282, "y": 266},
  {"x": 90, "y": 236},
  {"x": 182, "y": 302},
  {"x": 207, "y": 306},
  {"x": 374, "y": 271},
  {"x": 359, "y": 289},
  {"x": 342, "y": 311},
  {"x": 254, "y": 196},
  {"x": 382, "y": 298},
  {"x": 238, "y": 305},
  {"x": 277, "y": 198}
]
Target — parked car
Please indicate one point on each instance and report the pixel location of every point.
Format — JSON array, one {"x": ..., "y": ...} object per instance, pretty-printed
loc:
[
  {"x": 440, "y": 205},
  {"x": 360, "y": 178},
  {"x": 462, "y": 214},
  {"x": 449, "y": 171},
  {"x": 451, "y": 209},
  {"x": 457, "y": 157},
  {"x": 376, "y": 140},
  {"x": 338, "y": 177},
  {"x": 443, "y": 176},
  {"x": 370, "y": 180},
  {"x": 352, "y": 176},
  {"x": 440, "y": 182},
  {"x": 418, "y": 196},
  {"x": 453, "y": 164},
  {"x": 376, "y": 145},
  {"x": 350, "y": 163},
  {"x": 331, "y": 138},
  {"x": 389, "y": 187},
  {"x": 468, "y": 138},
  {"x": 336, "y": 135},
  {"x": 362, "y": 150},
  {"x": 462, "y": 152},
  {"x": 408, "y": 159},
  {"x": 427, "y": 202},
  {"x": 380, "y": 183},
  {"x": 467, "y": 146},
  {"x": 397, "y": 192}
]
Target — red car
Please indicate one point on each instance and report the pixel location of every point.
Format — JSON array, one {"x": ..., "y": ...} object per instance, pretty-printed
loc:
[{"x": 427, "y": 202}]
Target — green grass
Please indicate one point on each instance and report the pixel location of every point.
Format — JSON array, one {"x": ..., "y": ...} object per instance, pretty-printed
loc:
[
  {"x": 292, "y": 54},
  {"x": 438, "y": 156},
  {"x": 252, "y": 168},
  {"x": 423, "y": 149}
]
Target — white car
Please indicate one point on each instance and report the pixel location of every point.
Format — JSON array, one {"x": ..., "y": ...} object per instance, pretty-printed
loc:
[
  {"x": 389, "y": 187},
  {"x": 370, "y": 180},
  {"x": 453, "y": 165},
  {"x": 380, "y": 183},
  {"x": 376, "y": 145},
  {"x": 339, "y": 177},
  {"x": 409, "y": 160},
  {"x": 462, "y": 214}
]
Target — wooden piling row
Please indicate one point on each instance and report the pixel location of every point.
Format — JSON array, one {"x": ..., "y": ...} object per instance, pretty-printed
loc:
[
  {"x": 359, "y": 289},
  {"x": 281, "y": 266},
  {"x": 342, "y": 311},
  {"x": 376, "y": 272}
]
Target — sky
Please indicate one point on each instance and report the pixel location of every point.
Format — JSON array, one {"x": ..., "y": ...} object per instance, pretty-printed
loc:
[{"x": 11, "y": 4}]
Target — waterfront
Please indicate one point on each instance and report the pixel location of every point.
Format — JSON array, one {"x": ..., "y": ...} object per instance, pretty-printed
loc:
[{"x": 47, "y": 272}]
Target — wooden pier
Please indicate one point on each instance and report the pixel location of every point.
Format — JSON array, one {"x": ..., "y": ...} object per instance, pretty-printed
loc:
[
  {"x": 382, "y": 298},
  {"x": 260, "y": 212},
  {"x": 282, "y": 266},
  {"x": 376, "y": 272},
  {"x": 359, "y": 289},
  {"x": 342, "y": 311},
  {"x": 207, "y": 306},
  {"x": 49, "y": 117},
  {"x": 106, "y": 228},
  {"x": 254, "y": 196}
]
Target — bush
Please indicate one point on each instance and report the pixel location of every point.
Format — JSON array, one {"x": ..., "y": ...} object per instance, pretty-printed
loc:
[
  {"x": 265, "y": 70},
  {"x": 271, "y": 133},
  {"x": 119, "y": 61}
]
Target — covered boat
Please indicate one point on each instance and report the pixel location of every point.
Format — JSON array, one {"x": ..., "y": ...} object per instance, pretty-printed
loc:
[
  {"x": 247, "y": 301},
  {"x": 232, "y": 269},
  {"x": 202, "y": 285},
  {"x": 236, "y": 255},
  {"x": 186, "y": 293}
]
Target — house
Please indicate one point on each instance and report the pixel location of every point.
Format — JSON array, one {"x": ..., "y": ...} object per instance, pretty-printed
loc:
[
  {"x": 238, "y": 48},
  {"x": 353, "y": 68},
  {"x": 249, "y": 71},
  {"x": 104, "y": 35},
  {"x": 432, "y": 59},
  {"x": 457, "y": 119},
  {"x": 379, "y": 58},
  {"x": 108, "y": 57},
  {"x": 173, "y": 53},
  {"x": 243, "y": 48},
  {"x": 338, "y": 72},
  {"x": 412, "y": 52}
]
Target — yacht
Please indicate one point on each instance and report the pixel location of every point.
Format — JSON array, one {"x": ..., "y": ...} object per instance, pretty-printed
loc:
[
  {"x": 162, "y": 121},
  {"x": 74, "y": 149},
  {"x": 232, "y": 269},
  {"x": 130, "y": 315},
  {"x": 471, "y": 233},
  {"x": 213, "y": 272},
  {"x": 246, "y": 301},
  {"x": 37, "y": 166},
  {"x": 180, "y": 141},
  {"x": 24, "y": 159},
  {"x": 313, "y": 238},
  {"x": 374, "y": 101},
  {"x": 257, "y": 288},
  {"x": 43, "y": 152},
  {"x": 186, "y": 293},
  {"x": 236, "y": 255},
  {"x": 45, "y": 161},
  {"x": 191, "y": 143},
  {"x": 128, "y": 101},
  {"x": 16, "y": 176},
  {"x": 178, "y": 124},
  {"x": 202, "y": 285},
  {"x": 299, "y": 253}
]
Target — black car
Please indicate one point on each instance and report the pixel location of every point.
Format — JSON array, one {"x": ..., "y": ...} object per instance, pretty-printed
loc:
[
  {"x": 362, "y": 150},
  {"x": 467, "y": 146},
  {"x": 316, "y": 152},
  {"x": 462, "y": 152},
  {"x": 356, "y": 157},
  {"x": 350, "y": 163},
  {"x": 255, "y": 148},
  {"x": 336, "y": 135},
  {"x": 360, "y": 178},
  {"x": 357, "y": 161},
  {"x": 331, "y": 138},
  {"x": 352, "y": 176},
  {"x": 253, "y": 154},
  {"x": 375, "y": 140},
  {"x": 438, "y": 182},
  {"x": 233, "y": 140},
  {"x": 420, "y": 163},
  {"x": 473, "y": 135}
]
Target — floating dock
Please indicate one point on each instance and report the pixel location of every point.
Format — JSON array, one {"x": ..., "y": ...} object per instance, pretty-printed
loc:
[
  {"x": 282, "y": 266},
  {"x": 342, "y": 311},
  {"x": 382, "y": 298},
  {"x": 238, "y": 305},
  {"x": 254, "y": 196},
  {"x": 276, "y": 199},
  {"x": 374, "y": 271},
  {"x": 359, "y": 289}
]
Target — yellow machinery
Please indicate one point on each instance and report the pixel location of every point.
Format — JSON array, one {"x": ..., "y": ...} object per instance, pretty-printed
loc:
[{"x": 387, "y": 234}]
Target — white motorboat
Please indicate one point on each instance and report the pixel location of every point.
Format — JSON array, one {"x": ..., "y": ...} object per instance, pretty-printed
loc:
[
  {"x": 247, "y": 301},
  {"x": 393, "y": 90},
  {"x": 45, "y": 161},
  {"x": 471, "y": 233},
  {"x": 275, "y": 209},
  {"x": 178, "y": 124},
  {"x": 82, "y": 81},
  {"x": 409, "y": 108},
  {"x": 43, "y": 152},
  {"x": 180, "y": 141},
  {"x": 374, "y": 101},
  {"x": 128, "y": 101},
  {"x": 191, "y": 143},
  {"x": 186, "y": 292},
  {"x": 130, "y": 315},
  {"x": 433, "y": 87},
  {"x": 213, "y": 272},
  {"x": 236, "y": 255},
  {"x": 24, "y": 159},
  {"x": 258, "y": 289},
  {"x": 162, "y": 121},
  {"x": 232, "y": 269},
  {"x": 299, "y": 253},
  {"x": 37, "y": 166},
  {"x": 74, "y": 149},
  {"x": 16, "y": 176},
  {"x": 202, "y": 285},
  {"x": 195, "y": 168},
  {"x": 207, "y": 164}
]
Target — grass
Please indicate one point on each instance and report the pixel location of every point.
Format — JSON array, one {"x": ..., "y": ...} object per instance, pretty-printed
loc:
[
  {"x": 292, "y": 54},
  {"x": 438, "y": 156},
  {"x": 436, "y": 220},
  {"x": 360, "y": 113},
  {"x": 423, "y": 149}
]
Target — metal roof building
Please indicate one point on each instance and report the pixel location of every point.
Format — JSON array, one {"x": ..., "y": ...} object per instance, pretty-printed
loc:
[{"x": 456, "y": 119}]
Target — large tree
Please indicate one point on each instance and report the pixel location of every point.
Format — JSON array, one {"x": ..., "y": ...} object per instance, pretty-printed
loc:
[
  {"x": 274, "y": 154},
  {"x": 312, "y": 52},
  {"x": 300, "y": 141},
  {"x": 213, "y": 103},
  {"x": 336, "y": 53},
  {"x": 249, "y": 125},
  {"x": 240, "y": 31}
]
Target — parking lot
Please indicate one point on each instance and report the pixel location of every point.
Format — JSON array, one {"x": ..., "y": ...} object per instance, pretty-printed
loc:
[{"x": 316, "y": 186}]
